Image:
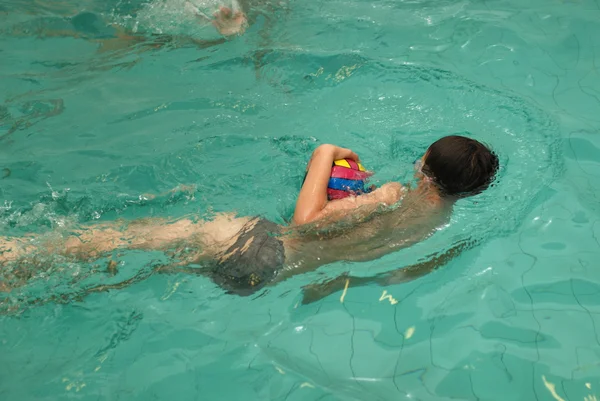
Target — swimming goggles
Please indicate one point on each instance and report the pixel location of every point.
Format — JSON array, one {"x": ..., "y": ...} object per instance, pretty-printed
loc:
[{"x": 418, "y": 164}]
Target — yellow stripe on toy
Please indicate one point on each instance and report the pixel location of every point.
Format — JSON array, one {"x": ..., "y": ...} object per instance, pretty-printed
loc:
[
  {"x": 342, "y": 163},
  {"x": 360, "y": 167}
]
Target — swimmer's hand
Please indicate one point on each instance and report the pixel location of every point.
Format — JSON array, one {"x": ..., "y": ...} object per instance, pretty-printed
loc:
[
  {"x": 337, "y": 152},
  {"x": 229, "y": 22}
]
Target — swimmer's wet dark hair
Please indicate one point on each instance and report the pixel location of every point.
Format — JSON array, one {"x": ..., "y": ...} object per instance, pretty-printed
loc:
[{"x": 460, "y": 166}]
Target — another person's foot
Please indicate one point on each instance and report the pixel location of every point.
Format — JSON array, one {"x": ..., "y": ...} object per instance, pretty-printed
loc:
[{"x": 229, "y": 22}]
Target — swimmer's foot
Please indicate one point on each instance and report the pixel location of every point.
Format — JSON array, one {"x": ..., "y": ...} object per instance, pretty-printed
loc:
[
  {"x": 112, "y": 267},
  {"x": 188, "y": 190},
  {"x": 4, "y": 287}
]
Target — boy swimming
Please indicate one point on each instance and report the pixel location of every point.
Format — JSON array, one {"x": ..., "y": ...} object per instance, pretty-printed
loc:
[{"x": 244, "y": 254}]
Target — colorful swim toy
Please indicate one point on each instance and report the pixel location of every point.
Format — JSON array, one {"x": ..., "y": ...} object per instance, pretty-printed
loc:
[{"x": 347, "y": 178}]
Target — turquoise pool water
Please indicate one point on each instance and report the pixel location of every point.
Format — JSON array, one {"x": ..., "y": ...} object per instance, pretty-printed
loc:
[{"x": 85, "y": 134}]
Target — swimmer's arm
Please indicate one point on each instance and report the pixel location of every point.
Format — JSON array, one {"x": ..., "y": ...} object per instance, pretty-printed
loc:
[
  {"x": 313, "y": 194},
  {"x": 387, "y": 195},
  {"x": 316, "y": 292}
]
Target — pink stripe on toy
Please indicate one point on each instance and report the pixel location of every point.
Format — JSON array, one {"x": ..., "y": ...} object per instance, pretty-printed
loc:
[
  {"x": 352, "y": 164},
  {"x": 337, "y": 194},
  {"x": 349, "y": 174}
]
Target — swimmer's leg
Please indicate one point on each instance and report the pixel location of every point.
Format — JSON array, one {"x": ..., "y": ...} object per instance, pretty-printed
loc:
[
  {"x": 187, "y": 242},
  {"x": 12, "y": 248},
  {"x": 201, "y": 238}
]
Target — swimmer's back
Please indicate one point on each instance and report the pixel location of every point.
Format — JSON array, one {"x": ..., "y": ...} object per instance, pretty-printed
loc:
[{"x": 384, "y": 231}]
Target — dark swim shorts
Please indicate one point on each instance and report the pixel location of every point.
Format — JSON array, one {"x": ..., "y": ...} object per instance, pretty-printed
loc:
[{"x": 243, "y": 270}]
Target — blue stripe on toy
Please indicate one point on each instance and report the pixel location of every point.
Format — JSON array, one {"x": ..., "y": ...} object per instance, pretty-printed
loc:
[{"x": 346, "y": 185}]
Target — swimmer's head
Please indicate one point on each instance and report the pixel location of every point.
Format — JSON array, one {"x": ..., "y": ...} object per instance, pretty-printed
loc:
[{"x": 460, "y": 166}]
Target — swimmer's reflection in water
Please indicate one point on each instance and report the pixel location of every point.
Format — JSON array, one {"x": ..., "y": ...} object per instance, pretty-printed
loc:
[{"x": 245, "y": 254}]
